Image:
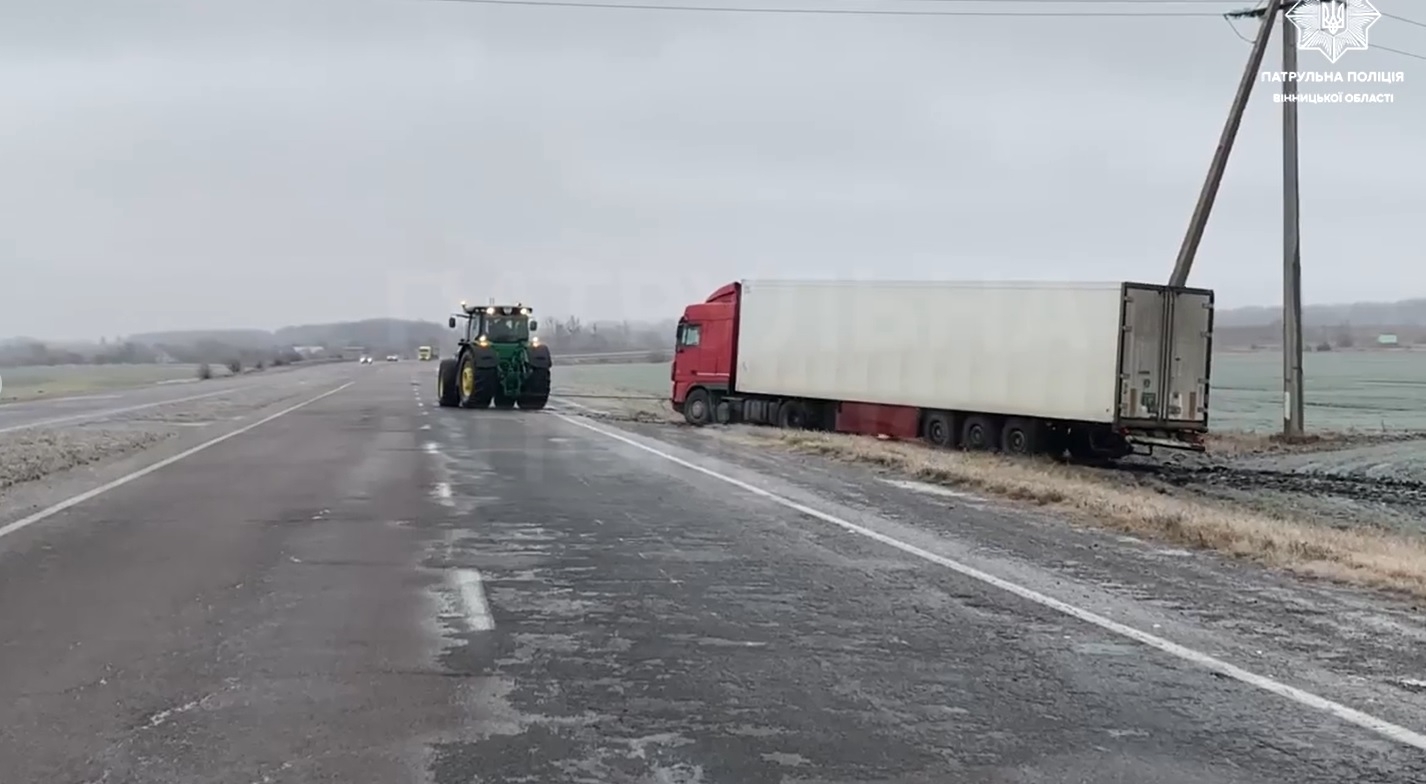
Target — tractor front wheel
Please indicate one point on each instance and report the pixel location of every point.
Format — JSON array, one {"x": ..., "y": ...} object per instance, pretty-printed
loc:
[{"x": 448, "y": 384}]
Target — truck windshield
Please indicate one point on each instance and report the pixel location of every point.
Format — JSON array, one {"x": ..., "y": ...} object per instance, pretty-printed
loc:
[{"x": 506, "y": 329}]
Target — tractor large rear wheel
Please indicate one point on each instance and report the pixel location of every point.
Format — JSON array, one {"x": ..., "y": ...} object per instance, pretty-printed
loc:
[
  {"x": 448, "y": 384},
  {"x": 537, "y": 390}
]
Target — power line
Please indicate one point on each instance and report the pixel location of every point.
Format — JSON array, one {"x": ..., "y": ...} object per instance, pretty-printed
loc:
[
  {"x": 1253, "y": 13},
  {"x": 1041, "y": 14},
  {"x": 1401, "y": 52},
  {"x": 1389, "y": 16}
]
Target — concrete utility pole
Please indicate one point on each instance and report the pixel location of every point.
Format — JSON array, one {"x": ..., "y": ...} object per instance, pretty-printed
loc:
[
  {"x": 1196, "y": 225},
  {"x": 1292, "y": 418}
]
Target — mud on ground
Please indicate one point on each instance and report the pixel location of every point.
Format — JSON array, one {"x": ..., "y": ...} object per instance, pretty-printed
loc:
[{"x": 1344, "y": 480}]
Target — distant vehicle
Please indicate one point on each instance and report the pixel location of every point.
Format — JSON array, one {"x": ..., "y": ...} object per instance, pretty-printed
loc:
[
  {"x": 1098, "y": 370},
  {"x": 424, "y": 353},
  {"x": 500, "y": 361},
  {"x": 392, "y": 357},
  {"x": 366, "y": 360}
]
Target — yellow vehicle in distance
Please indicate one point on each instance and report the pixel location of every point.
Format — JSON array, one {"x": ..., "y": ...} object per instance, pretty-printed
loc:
[{"x": 425, "y": 354}]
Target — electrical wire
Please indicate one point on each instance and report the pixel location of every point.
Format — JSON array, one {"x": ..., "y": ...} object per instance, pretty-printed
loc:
[
  {"x": 630, "y": 6},
  {"x": 1258, "y": 12},
  {"x": 1400, "y": 18},
  {"x": 1037, "y": 13}
]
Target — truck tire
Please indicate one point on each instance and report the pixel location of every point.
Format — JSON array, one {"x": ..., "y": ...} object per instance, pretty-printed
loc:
[
  {"x": 1020, "y": 437},
  {"x": 938, "y": 430},
  {"x": 977, "y": 435},
  {"x": 448, "y": 384},
  {"x": 697, "y": 408},
  {"x": 537, "y": 390},
  {"x": 723, "y": 413},
  {"x": 792, "y": 415}
]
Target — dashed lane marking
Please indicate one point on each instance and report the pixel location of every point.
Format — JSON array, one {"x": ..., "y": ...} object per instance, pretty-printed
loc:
[
  {"x": 472, "y": 599},
  {"x": 1367, "y": 721}
]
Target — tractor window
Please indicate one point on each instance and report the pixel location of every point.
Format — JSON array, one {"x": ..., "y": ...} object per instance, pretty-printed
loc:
[
  {"x": 506, "y": 329},
  {"x": 689, "y": 334}
]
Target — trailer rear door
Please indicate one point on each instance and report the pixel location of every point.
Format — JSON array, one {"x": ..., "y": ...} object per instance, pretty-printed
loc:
[{"x": 1165, "y": 356}]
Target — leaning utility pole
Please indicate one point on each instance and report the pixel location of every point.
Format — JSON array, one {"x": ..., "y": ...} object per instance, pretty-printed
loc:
[
  {"x": 1196, "y": 225},
  {"x": 1292, "y": 397},
  {"x": 1292, "y": 416}
]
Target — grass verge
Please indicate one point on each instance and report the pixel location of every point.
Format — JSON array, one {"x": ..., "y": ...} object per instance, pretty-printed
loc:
[
  {"x": 1241, "y": 443},
  {"x": 1366, "y": 557}
]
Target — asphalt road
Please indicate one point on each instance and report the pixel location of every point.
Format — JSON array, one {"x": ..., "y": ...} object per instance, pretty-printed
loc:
[{"x": 371, "y": 589}]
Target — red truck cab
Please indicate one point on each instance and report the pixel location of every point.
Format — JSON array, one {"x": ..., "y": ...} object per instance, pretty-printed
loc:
[{"x": 704, "y": 353}]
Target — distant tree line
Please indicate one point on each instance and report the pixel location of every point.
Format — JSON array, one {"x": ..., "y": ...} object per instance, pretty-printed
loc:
[{"x": 257, "y": 348}]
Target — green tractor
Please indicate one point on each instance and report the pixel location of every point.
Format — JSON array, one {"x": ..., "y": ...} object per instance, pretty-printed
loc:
[{"x": 500, "y": 361}]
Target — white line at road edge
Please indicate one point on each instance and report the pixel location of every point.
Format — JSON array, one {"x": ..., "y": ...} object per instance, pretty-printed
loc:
[
  {"x": 1380, "y": 726},
  {"x": 26, "y": 522},
  {"x": 109, "y": 412}
]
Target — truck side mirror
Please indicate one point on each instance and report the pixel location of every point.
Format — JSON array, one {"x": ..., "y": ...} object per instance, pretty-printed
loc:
[
  {"x": 534, "y": 325},
  {"x": 451, "y": 322}
]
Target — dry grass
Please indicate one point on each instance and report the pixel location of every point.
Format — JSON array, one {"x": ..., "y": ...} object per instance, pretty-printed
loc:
[
  {"x": 1366, "y": 557},
  {"x": 1241, "y": 443}
]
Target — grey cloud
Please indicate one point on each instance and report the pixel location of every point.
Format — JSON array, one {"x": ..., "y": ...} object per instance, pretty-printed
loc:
[{"x": 260, "y": 164}]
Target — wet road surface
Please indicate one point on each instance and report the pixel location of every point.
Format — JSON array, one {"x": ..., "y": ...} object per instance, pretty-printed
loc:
[{"x": 371, "y": 589}]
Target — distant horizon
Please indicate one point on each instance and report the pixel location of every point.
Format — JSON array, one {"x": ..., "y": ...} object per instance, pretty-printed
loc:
[{"x": 560, "y": 318}]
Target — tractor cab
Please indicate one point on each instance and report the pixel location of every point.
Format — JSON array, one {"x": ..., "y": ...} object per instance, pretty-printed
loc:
[{"x": 506, "y": 328}]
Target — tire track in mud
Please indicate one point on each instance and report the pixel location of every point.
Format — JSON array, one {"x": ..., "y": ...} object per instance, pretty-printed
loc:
[{"x": 1339, "y": 498}]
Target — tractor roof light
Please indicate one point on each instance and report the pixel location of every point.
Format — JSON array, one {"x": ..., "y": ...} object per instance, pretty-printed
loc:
[{"x": 490, "y": 311}]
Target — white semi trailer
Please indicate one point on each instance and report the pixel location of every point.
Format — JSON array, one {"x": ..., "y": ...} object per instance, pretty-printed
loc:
[{"x": 1092, "y": 369}]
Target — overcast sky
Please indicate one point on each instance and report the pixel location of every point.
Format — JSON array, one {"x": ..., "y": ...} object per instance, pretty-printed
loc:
[{"x": 193, "y": 164}]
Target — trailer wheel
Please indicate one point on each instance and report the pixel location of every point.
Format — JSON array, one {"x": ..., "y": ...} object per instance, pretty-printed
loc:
[
  {"x": 697, "y": 409},
  {"x": 977, "y": 435},
  {"x": 792, "y": 415},
  {"x": 938, "y": 430},
  {"x": 1020, "y": 437}
]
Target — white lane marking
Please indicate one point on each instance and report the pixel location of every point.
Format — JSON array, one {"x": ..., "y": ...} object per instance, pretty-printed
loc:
[
  {"x": 580, "y": 406},
  {"x": 92, "y": 397},
  {"x": 431, "y": 447},
  {"x": 1365, "y": 720},
  {"x": 425, "y": 427},
  {"x": 472, "y": 599},
  {"x": 110, "y": 412},
  {"x": 442, "y": 491},
  {"x": 26, "y": 522}
]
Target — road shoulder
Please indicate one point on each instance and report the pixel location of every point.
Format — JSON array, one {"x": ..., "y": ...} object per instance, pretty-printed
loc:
[{"x": 1356, "y": 646}]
